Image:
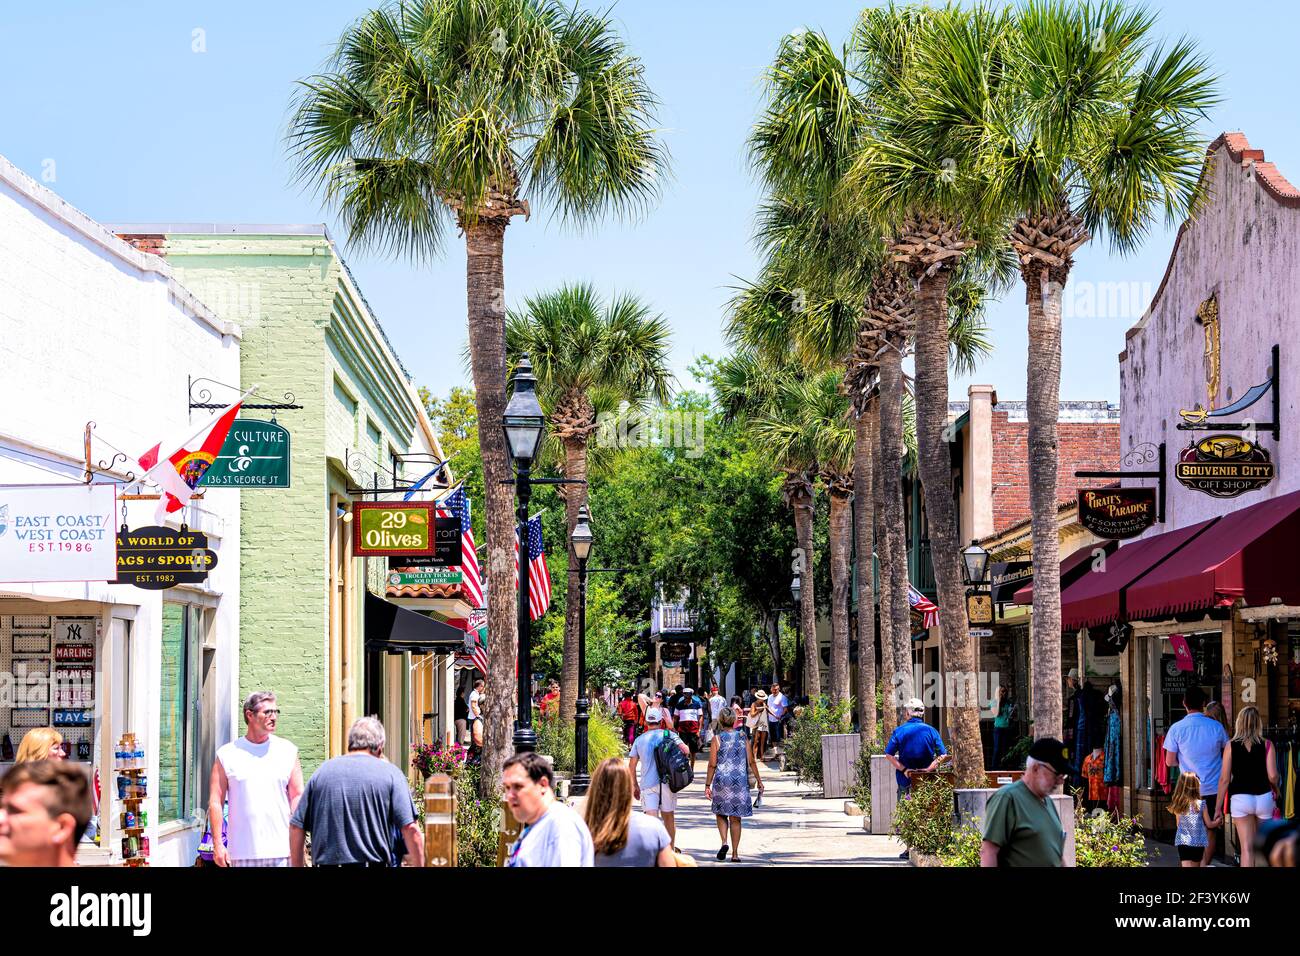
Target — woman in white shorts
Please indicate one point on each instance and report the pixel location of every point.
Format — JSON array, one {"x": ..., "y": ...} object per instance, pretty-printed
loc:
[{"x": 1248, "y": 780}]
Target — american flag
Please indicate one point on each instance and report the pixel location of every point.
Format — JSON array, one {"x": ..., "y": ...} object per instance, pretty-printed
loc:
[
  {"x": 456, "y": 505},
  {"x": 476, "y": 627},
  {"x": 539, "y": 577},
  {"x": 923, "y": 606}
]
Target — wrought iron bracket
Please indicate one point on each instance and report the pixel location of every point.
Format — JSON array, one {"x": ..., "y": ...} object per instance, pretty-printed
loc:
[
  {"x": 1272, "y": 386},
  {"x": 92, "y": 467},
  {"x": 204, "y": 396},
  {"x": 1145, "y": 453}
]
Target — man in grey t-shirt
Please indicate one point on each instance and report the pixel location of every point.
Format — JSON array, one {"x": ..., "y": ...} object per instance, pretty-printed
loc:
[{"x": 355, "y": 806}]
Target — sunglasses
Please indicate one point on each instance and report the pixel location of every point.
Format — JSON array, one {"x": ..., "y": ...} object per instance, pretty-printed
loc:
[{"x": 268, "y": 713}]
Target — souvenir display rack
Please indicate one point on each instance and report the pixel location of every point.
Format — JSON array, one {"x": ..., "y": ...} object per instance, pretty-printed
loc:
[
  {"x": 132, "y": 788},
  {"x": 54, "y": 656}
]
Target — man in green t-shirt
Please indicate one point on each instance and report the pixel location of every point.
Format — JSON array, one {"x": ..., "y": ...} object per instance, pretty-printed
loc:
[{"x": 1021, "y": 825}]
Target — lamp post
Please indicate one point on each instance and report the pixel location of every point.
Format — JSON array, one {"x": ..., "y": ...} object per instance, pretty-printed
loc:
[
  {"x": 796, "y": 588},
  {"x": 580, "y": 540},
  {"x": 524, "y": 424}
]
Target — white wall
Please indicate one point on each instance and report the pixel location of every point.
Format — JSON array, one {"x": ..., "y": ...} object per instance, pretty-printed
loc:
[{"x": 94, "y": 330}]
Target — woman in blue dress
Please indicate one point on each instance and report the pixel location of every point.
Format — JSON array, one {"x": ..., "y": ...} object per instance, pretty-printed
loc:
[{"x": 731, "y": 761}]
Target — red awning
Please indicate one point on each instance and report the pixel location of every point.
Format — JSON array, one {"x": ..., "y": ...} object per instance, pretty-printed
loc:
[
  {"x": 1072, "y": 566},
  {"x": 1095, "y": 598},
  {"x": 1248, "y": 554}
]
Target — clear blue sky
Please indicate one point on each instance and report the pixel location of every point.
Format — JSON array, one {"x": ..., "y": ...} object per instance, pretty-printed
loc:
[{"x": 141, "y": 128}]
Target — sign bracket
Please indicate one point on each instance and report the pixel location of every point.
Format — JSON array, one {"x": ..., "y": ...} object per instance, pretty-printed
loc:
[
  {"x": 1145, "y": 453},
  {"x": 1201, "y": 421},
  {"x": 356, "y": 461},
  {"x": 204, "y": 397}
]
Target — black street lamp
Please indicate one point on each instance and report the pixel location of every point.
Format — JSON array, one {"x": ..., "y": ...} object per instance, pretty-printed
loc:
[
  {"x": 796, "y": 588},
  {"x": 524, "y": 424},
  {"x": 581, "y": 539},
  {"x": 975, "y": 564}
]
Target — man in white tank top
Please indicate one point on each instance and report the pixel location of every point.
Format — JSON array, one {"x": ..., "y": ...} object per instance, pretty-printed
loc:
[{"x": 260, "y": 776}]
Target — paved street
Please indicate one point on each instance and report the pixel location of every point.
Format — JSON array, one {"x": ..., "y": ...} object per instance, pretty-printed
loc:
[{"x": 794, "y": 825}]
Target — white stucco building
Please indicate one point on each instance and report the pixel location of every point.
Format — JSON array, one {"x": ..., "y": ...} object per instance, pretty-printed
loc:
[{"x": 94, "y": 331}]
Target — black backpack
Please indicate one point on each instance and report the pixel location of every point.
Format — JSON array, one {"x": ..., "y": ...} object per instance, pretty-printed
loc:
[{"x": 674, "y": 766}]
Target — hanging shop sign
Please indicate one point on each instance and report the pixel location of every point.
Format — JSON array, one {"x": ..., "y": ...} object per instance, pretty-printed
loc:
[
  {"x": 383, "y": 528},
  {"x": 255, "y": 454},
  {"x": 1008, "y": 577},
  {"x": 1224, "y": 466},
  {"x": 675, "y": 651},
  {"x": 979, "y": 607},
  {"x": 446, "y": 553},
  {"x": 403, "y": 578},
  {"x": 1117, "y": 513},
  {"x": 156, "y": 558},
  {"x": 57, "y": 533}
]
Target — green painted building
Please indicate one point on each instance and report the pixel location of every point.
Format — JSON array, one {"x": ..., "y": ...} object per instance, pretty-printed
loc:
[{"x": 311, "y": 339}]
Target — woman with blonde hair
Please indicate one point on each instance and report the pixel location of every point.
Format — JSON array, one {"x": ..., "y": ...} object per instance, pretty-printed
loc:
[
  {"x": 619, "y": 836},
  {"x": 1249, "y": 780},
  {"x": 41, "y": 743},
  {"x": 731, "y": 761}
]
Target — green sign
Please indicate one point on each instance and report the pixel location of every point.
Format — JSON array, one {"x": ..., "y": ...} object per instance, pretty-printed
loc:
[
  {"x": 399, "y": 578},
  {"x": 382, "y": 528},
  {"x": 255, "y": 455}
]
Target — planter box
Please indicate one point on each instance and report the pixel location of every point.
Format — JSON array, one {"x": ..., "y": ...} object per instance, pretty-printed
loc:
[
  {"x": 839, "y": 753},
  {"x": 884, "y": 795},
  {"x": 922, "y": 859}
]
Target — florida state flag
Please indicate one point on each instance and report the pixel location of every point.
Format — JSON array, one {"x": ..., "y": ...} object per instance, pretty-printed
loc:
[{"x": 188, "y": 467}]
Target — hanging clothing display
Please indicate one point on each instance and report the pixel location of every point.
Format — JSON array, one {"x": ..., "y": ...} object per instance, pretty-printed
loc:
[
  {"x": 1114, "y": 742},
  {"x": 1289, "y": 801},
  {"x": 1158, "y": 758}
]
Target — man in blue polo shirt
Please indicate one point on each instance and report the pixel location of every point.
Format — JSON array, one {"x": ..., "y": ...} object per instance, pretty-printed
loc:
[{"x": 915, "y": 745}]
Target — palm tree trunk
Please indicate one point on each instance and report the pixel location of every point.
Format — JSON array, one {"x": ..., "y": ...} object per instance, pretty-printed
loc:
[
  {"x": 840, "y": 532},
  {"x": 864, "y": 515},
  {"x": 1043, "y": 297},
  {"x": 933, "y": 452},
  {"x": 485, "y": 288},
  {"x": 888, "y": 711},
  {"x": 803, "y": 529},
  {"x": 891, "y": 466},
  {"x": 772, "y": 629},
  {"x": 575, "y": 496}
]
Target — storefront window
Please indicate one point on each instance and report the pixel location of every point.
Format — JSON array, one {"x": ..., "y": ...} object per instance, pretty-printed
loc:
[
  {"x": 1162, "y": 684},
  {"x": 49, "y": 663},
  {"x": 178, "y": 712}
]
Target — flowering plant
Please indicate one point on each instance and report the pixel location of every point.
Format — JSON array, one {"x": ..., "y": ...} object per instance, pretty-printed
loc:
[
  {"x": 1104, "y": 840},
  {"x": 429, "y": 759}
]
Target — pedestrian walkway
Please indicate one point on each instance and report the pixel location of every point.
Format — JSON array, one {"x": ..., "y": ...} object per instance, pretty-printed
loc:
[{"x": 793, "y": 826}]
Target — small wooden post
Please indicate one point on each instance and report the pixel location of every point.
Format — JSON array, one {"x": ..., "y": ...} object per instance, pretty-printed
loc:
[{"x": 439, "y": 821}]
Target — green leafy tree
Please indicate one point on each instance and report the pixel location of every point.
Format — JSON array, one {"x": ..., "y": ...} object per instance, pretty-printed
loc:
[
  {"x": 590, "y": 358},
  {"x": 435, "y": 114}
]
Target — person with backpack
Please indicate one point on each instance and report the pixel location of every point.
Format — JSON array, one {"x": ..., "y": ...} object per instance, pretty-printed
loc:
[{"x": 656, "y": 762}]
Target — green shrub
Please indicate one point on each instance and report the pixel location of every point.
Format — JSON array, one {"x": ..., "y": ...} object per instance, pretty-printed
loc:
[
  {"x": 923, "y": 818},
  {"x": 555, "y": 739},
  {"x": 803, "y": 748},
  {"x": 861, "y": 789},
  {"x": 964, "y": 849},
  {"x": 1102, "y": 840},
  {"x": 478, "y": 822}
]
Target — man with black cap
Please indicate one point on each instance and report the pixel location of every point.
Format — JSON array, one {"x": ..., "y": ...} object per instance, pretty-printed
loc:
[{"x": 1021, "y": 825}]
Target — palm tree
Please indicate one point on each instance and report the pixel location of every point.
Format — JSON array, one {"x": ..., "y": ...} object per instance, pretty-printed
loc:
[
  {"x": 812, "y": 424},
  {"x": 931, "y": 192},
  {"x": 435, "y": 113},
  {"x": 588, "y": 355},
  {"x": 748, "y": 388},
  {"x": 1106, "y": 138}
]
